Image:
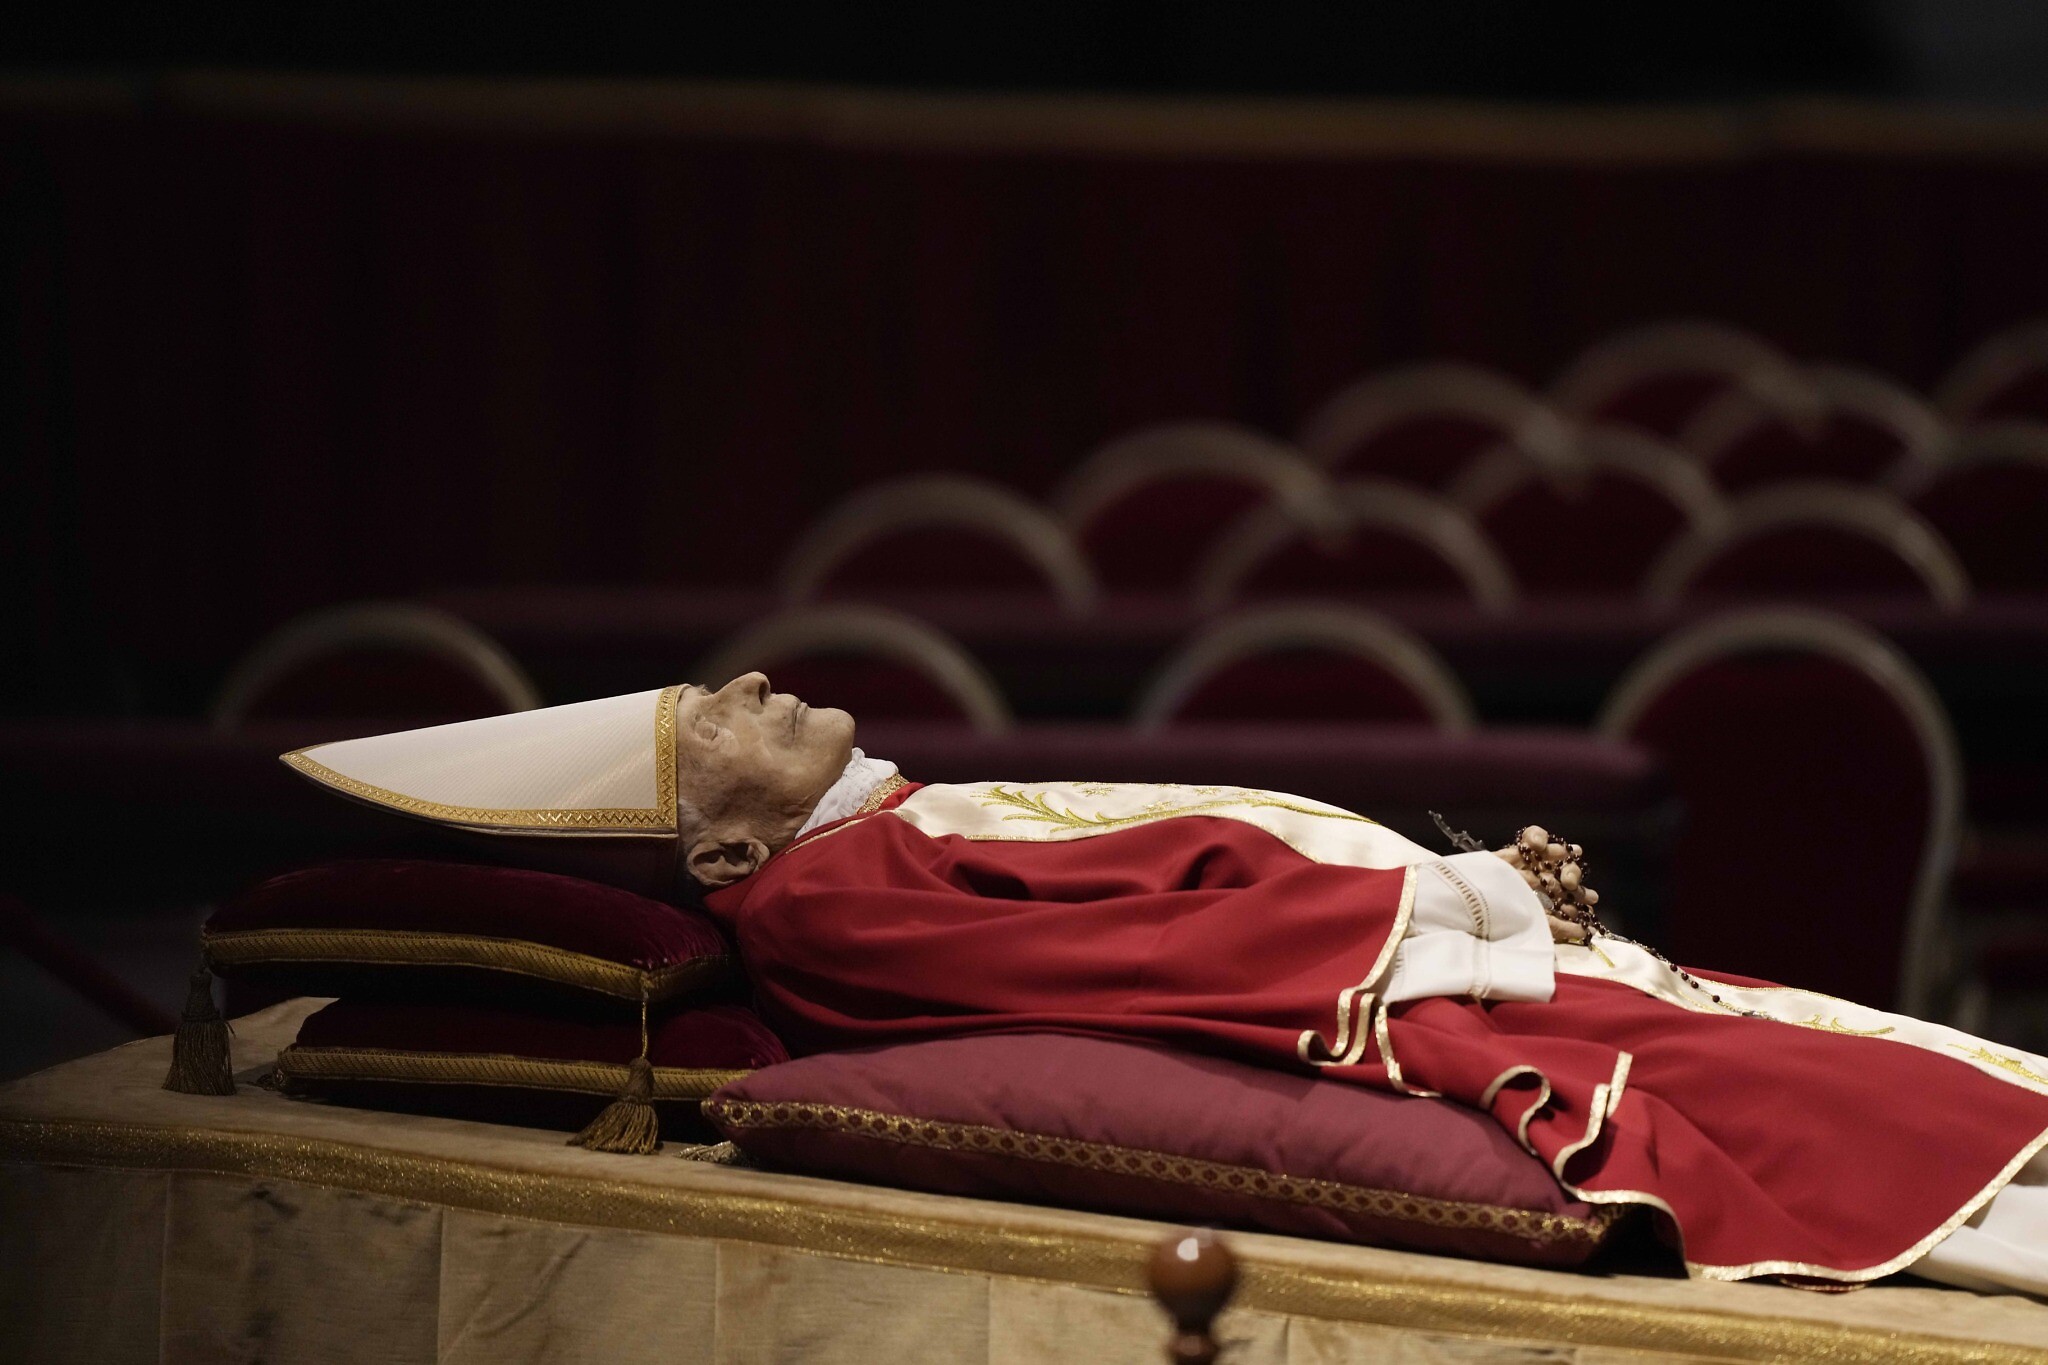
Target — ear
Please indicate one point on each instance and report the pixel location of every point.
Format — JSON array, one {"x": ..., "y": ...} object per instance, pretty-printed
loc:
[{"x": 721, "y": 862}]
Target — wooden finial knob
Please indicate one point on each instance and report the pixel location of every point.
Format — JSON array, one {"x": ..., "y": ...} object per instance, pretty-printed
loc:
[{"x": 1193, "y": 1275}]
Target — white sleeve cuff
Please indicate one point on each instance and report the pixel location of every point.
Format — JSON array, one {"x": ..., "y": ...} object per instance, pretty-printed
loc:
[{"x": 1475, "y": 929}]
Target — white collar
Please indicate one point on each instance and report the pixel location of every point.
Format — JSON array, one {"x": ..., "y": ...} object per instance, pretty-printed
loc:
[{"x": 855, "y": 785}]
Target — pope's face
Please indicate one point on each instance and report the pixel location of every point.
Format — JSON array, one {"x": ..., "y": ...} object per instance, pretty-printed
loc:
[{"x": 751, "y": 758}]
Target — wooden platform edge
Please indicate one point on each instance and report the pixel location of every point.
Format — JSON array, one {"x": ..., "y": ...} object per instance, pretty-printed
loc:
[{"x": 1101, "y": 1261}]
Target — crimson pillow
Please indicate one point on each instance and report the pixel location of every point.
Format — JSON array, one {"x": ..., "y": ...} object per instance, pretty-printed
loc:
[
  {"x": 1127, "y": 1128},
  {"x": 385, "y": 926},
  {"x": 552, "y": 1067}
]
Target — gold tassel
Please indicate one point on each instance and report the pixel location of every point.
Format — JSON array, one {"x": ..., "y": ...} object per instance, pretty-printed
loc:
[
  {"x": 629, "y": 1123},
  {"x": 199, "y": 1049}
]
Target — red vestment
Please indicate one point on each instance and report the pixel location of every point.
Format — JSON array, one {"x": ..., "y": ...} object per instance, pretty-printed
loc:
[{"x": 1772, "y": 1147}]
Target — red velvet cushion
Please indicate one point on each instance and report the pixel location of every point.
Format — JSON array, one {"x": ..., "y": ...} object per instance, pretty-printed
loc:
[
  {"x": 346, "y": 927},
  {"x": 548, "y": 1066},
  {"x": 1126, "y": 1128}
]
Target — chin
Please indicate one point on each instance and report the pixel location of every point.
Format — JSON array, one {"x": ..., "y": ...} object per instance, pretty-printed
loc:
[{"x": 830, "y": 720}]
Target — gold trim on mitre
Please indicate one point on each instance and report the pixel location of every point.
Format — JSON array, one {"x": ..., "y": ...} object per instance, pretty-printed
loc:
[{"x": 659, "y": 818}]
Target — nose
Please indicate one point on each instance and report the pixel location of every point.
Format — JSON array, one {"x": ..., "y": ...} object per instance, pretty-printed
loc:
[{"x": 753, "y": 686}]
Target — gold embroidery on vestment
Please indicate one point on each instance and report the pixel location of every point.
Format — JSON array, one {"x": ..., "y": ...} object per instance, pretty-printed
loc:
[
  {"x": 1040, "y": 810},
  {"x": 884, "y": 789},
  {"x": 1835, "y": 1025},
  {"x": 1983, "y": 1054}
]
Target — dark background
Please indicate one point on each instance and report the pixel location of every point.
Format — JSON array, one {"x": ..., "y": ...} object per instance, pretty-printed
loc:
[{"x": 322, "y": 302}]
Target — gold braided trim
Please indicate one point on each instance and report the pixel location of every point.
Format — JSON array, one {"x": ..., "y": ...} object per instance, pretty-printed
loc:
[
  {"x": 1527, "y": 1225},
  {"x": 968, "y": 1236},
  {"x": 886, "y": 788},
  {"x": 424, "y": 948},
  {"x": 488, "y": 1068},
  {"x": 661, "y": 816}
]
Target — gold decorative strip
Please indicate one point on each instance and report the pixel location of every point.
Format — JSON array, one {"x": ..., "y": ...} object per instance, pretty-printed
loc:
[
  {"x": 1529, "y": 1225},
  {"x": 1040, "y": 810},
  {"x": 979, "y": 1240},
  {"x": 425, "y": 948},
  {"x": 660, "y": 817},
  {"x": 886, "y": 788},
  {"x": 298, "y": 1063}
]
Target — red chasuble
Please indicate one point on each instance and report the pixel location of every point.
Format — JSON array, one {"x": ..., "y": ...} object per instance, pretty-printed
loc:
[{"x": 1828, "y": 1142}]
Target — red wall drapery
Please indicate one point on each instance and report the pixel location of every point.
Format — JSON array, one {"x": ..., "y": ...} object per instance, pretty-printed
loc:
[{"x": 283, "y": 343}]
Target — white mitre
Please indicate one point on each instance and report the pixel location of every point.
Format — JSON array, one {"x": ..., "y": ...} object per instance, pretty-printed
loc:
[{"x": 593, "y": 782}]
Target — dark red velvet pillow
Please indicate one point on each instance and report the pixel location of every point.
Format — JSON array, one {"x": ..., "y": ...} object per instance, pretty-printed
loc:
[
  {"x": 379, "y": 925},
  {"x": 1127, "y": 1128},
  {"x": 554, "y": 1068}
]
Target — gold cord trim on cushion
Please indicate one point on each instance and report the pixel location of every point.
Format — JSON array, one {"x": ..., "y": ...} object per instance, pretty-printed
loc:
[
  {"x": 971, "y": 1236},
  {"x": 426, "y": 948},
  {"x": 300, "y": 1064},
  {"x": 1529, "y": 1225},
  {"x": 660, "y": 817}
]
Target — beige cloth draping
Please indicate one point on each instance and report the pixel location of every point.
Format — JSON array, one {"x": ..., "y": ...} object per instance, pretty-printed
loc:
[{"x": 150, "y": 1227}]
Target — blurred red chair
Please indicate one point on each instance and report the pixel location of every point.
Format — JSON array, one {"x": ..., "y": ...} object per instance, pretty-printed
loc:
[
  {"x": 1422, "y": 424},
  {"x": 1146, "y": 506},
  {"x": 1990, "y": 502},
  {"x": 374, "y": 659},
  {"x": 1864, "y": 428},
  {"x": 938, "y": 533},
  {"x": 874, "y": 663},
  {"x": 1812, "y": 539},
  {"x": 1305, "y": 662},
  {"x": 1822, "y": 793},
  {"x": 1597, "y": 526},
  {"x": 1657, "y": 377},
  {"x": 1376, "y": 537},
  {"x": 2006, "y": 376}
]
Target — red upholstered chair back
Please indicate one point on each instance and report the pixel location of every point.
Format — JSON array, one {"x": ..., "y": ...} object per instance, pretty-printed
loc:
[
  {"x": 1424, "y": 424},
  {"x": 1812, "y": 540},
  {"x": 1303, "y": 663},
  {"x": 1374, "y": 537},
  {"x": 1861, "y": 428},
  {"x": 1657, "y": 378},
  {"x": 1991, "y": 505},
  {"x": 382, "y": 659},
  {"x": 872, "y": 662},
  {"x": 1145, "y": 508},
  {"x": 2005, "y": 377},
  {"x": 1597, "y": 527},
  {"x": 1821, "y": 790},
  {"x": 937, "y": 532}
]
